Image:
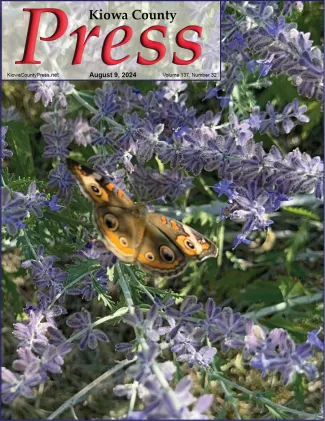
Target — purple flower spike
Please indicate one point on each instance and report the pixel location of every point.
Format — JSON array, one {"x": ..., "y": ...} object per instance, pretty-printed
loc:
[
  {"x": 5, "y": 153},
  {"x": 61, "y": 177}
]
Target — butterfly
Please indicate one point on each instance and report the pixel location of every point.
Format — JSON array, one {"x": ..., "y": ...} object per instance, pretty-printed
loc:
[{"x": 158, "y": 244}]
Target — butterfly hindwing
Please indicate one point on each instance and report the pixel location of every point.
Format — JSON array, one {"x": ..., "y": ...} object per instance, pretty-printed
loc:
[
  {"x": 159, "y": 255},
  {"x": 193, "y": 244}
]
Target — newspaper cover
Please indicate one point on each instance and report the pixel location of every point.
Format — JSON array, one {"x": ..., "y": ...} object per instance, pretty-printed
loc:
[{"x": 162, "y": 210}]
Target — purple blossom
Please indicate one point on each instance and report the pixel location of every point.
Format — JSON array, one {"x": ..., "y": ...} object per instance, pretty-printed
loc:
[
  {"x": 97, "y": 250},
  {"x": 45, "y": 275},
  {"x": 65, "y": 88},
  {"x": 289, "y": 52},
  {"x": 161, "y": 405},
  {"x": 229, "y": 328},
  {"x": 172, "y": 89},
  {"x": 57, "y": 142},
  {"x": 188, "y": 307},
  {"x": 13, "y": 211},
  {"x": 146, "y": 325},
  {"x": 53, "y": 205},
  {"x": 251, "y": 204},
  {"x": 82, "y": 132},
  {"x": 225, "y": 187},
  {"x": 239, "y": 130},
  {"x": 280, "y": 353},
  {"x": 196, "y": 144},
  {"x": 20, "y": 384},
  {"x": 81, "y": 323},
  {"x": 44, "y": 91},
  {"x": 298, "y": 172},
  {"x": 34, "y": 201},
  {"x": 86, "y": 286},
  {"x": 150, "y": 184},
  {"x": 314, "y": 340},
  {"x": 53, "y": 357},
  {"x": 106, "y": 101},
  {"x": 32, "y": 333},
  {"x": 147, "y": 140},
  {"x": 62, "y": 178},
  {"x": 187, "y": 339},
  {"x": 201, "y": 358},
  {"x": 125, "y": 138},
  {"x": 5, "y": 153},
  {"x": 171, "y": 152}
]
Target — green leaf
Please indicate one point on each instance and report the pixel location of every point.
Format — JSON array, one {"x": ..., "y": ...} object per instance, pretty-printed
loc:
[
  {"x": 11, "y": 294},
  {"x": 276, "y": 414},
  {"x": 296, "y": 244},
  {"x": 290, "y": 288},
  {"x": 299, "y": 389},
  {"x": 260, "y": 291},
  {"x": 82, "y": 267},
  {"x": 103, "y": 295},
  {"x": 304, "y": 213},
  {"x": 18, "y": 137}
]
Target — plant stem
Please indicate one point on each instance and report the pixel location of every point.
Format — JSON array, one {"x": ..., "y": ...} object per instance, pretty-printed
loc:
[
  {"x": 261, "y": 398},
  {"x": 206, "y": 188},
  {"x": 119, "y": 313},
  {"x": 67, "y": 287},
  {"x": 30, "y": 245},
  {"x": 86, "y": 104},
  {"x": 230, "y": 399},
  {"x": 154, "y": 365},
  {"x": 221, "y": 240},
  {"x": 133, "y": 396},
  {"x": 77, "y": 397},
  {"x": 144, "y": 289},
  {"x": 125, "y": 289},
  {"x": 73, "y": 412},
  {"x": 286, "y": 304}
]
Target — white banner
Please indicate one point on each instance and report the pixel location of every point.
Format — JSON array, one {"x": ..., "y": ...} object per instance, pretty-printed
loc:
[{"x": 111, "y": 40}]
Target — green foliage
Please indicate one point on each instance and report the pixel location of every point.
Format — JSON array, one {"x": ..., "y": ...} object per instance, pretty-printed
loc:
[
  {"x": 295, "y": 244},
  {"x": 304, "y": 213},
  {"x": 11, "y": 294},
  {"x": 19, "y": 140}
]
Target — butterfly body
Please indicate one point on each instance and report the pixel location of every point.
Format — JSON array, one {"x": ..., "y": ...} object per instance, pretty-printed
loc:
[{"x": 159, "y": 244}]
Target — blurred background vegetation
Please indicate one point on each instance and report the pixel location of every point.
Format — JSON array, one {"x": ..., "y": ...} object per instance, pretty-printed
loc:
[{"x": 283, "y": 263}]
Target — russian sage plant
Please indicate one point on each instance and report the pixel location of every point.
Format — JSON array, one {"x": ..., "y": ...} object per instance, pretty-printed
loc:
[{"x": 160, "y": 146}]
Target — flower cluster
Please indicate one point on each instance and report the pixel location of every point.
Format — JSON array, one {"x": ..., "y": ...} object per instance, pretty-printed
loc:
[
  {"x": 38, "y": 356},
  {"x": 261, "y": 38},
  {"x": 195, "y": 341},
  {"x": 51, "y": 92},
  {"x": 174, "y": 134},
  {"x": 42, "y": 346},
  {"x": 16, "y": 206}
]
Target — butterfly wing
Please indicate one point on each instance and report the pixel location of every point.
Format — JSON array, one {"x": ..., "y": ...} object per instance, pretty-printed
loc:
[
  {"x": 161, "y": 246},
  {"x": 159, "y": 255},
  {"x": 193, "y": 244},
  {"x": 120, "y": 222},
  {"x": 97, "y": 188}
]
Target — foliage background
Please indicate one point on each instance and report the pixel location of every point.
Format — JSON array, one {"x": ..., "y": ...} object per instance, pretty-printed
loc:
[{"x": 283, "y": 263}]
